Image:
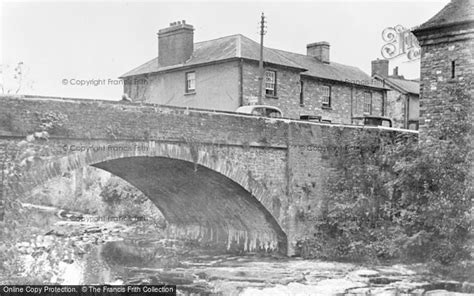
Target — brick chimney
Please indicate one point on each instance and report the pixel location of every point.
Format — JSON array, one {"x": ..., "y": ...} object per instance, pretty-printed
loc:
[
  {"x": 175, "y": 44},
  {"x": 380, "y": 67},
  {"x": 395, "y": 74},
  {"x": 319, "y": 50}
]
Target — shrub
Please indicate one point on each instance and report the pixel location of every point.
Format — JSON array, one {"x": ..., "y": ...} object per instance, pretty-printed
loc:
[{"x": 405, "y": 200}]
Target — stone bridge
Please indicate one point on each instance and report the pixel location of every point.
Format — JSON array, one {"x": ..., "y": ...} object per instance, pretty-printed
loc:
[{"x": 239, "y": 181}]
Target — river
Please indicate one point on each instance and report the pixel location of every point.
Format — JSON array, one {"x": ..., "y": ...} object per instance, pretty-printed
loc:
[{"x": 116, "y": 253}]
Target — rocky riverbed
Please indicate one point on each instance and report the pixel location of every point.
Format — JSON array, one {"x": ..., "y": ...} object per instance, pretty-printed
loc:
[{"x": 97, "y": 252}]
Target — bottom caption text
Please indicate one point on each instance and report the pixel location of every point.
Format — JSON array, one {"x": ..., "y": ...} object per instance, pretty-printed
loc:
[{"x": 86, "y": 290}]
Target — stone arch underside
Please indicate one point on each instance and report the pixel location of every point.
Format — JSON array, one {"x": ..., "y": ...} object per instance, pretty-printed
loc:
[
  {"x": 203, "y": 196},
  {"x": 200, "y": 203}
]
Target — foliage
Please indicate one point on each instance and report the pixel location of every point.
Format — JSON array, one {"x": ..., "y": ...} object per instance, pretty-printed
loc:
[
  {"x": 437, "y": 189},
  {"x": 405, "y": 200},
  {"x": 117, "y": 190},
  {"x": 28, "y": 154},
  {"x": 123, "y": 199},
  {"x": 62, "y": 192},
  {"x": 51, "y": 121},
  {"x": 25, "y": 155}
]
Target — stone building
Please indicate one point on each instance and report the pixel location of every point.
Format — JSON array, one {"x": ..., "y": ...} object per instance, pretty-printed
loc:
[
  {"x": 447, "y": 61},
  {"x": 403, "y": 97},
  {"x": 222, "y": 74}
]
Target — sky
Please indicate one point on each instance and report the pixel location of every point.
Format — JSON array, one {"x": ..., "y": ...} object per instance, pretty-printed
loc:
[{"x": 62, "y": 43}]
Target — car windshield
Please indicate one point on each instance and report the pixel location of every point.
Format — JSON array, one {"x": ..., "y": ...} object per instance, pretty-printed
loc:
[
  {"x": 386, "y": 123},
  {"x": 372, "y": 121},
  {"x": 258, "y": 111},
  {"x": 377, "y": 122},
  {"x": 272, "y": 112}
]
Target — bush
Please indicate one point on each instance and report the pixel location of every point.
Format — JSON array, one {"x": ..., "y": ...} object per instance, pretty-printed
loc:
[{"x": 405, "y": 200}]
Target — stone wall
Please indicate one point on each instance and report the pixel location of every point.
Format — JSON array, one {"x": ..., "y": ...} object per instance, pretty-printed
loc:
[
  {"x": 439, "y": 50},
  {"x": 311, "y": 170},
  {"x": 287, "y": 89}
]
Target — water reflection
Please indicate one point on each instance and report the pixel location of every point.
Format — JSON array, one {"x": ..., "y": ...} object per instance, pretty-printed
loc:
[{"x": 140, "y": 261}]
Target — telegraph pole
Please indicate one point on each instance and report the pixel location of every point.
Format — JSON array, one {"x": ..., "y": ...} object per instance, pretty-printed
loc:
[{"x": 260, "y": 64}]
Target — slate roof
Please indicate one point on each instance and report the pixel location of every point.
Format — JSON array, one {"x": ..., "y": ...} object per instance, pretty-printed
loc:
[
  {"x": 332, "y": 71},
  {"x": 403, "y": 85},
  {"x": 457, "y": 11},
  {"x": 235, "y": 46},
  {"x": 239, "y": 46}
]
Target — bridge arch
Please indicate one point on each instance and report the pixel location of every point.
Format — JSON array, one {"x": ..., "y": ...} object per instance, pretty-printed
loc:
[{"x": 202, "y": 194}]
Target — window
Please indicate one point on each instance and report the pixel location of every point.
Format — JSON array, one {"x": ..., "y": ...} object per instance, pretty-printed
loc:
[
  {"x": 453, "y": 69},
  {"x": 270, "y": 83},
  {"x": 368, "y": 102},
  {"x": 326, "y": 91},
  {"x": 190, "y": 82}
]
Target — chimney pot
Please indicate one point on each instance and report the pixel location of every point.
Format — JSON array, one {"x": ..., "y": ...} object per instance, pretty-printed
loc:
[{"x": 319, "y": 50}]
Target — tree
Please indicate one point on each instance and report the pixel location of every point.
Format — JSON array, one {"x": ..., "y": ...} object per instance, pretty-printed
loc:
[{"x": 14, "y": 79}]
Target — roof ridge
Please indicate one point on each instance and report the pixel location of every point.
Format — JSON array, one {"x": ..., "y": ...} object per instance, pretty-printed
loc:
[{"x": 304, "y": 55}]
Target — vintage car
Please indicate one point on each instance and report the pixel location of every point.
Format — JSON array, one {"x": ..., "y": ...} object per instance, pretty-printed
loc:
[
  {"x": 314, "y": 118},
  {"x": 260, "y": 110},
  {"x": 373, "y": 120}
]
